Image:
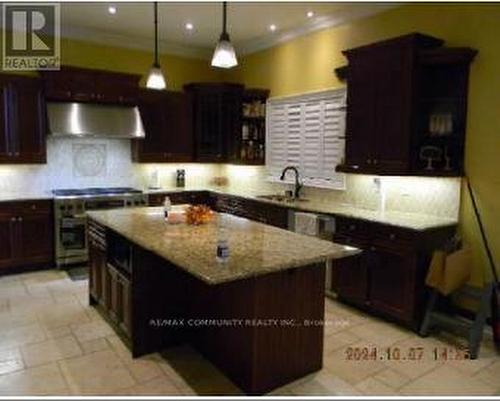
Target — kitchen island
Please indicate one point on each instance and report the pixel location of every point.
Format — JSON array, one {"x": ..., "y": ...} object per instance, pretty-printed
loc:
[{"x": 257, "y": 316}]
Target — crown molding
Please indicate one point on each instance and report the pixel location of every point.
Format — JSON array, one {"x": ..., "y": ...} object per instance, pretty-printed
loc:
[
  {"x": 339, "y": 18},
  {"x": 242, "y": 48},
  {"x": 137, "y": 43}
]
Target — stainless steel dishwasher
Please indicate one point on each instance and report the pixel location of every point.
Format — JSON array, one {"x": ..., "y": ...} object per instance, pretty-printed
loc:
[{"x": 318, "y": 225}]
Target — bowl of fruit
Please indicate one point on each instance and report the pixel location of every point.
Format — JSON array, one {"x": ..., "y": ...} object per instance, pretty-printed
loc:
[{"x": 199, "y": 214}]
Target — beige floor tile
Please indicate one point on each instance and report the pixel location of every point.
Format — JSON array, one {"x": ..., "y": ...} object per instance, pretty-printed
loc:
[
  {"x": 373, "y": 387},
  {"x": 392, "y": 378},
  {"x": 381, "y": 333},
  {"x": 98, "y": 344},
  {"x": 143, "y": 369},
  {"x": 4, "y": 305},
  {"x": 40, "y": 380},
  {"x": 10, "y": 360},
  {"x": 322, "y": 383},
  {"x": 98, "y": 373},
  {"x": 57, "y": 332},
  {"x": 339, "y": 340},
  {"x": 447, "y": 381},
  {"x": 21, "y": 335},
  {"x": 10, "y": 320},
  {"x": 416, "y": 368},
  {"x": 352, "y": 371},
  {"x": 91, "y": 330},
  {"x": 490, "y": 375},
  {"x": 160, "y": 386},
  {"x": 64, "y": 314},
  {"x": 50, "y": 351},
  {"x": 12, "y": 289},
  {"x": 30, "y": 304}
]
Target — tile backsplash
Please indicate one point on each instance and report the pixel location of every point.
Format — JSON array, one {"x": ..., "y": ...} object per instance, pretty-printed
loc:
[
  {"x": 427, "y": 195},
  {"x": 78, "y": 163}
]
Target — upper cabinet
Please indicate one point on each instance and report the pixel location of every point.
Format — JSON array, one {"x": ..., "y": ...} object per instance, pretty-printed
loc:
[
  {"x": 167, "y": 124},
  {"x": 23, "y": 123},
  {"x": 216, "y": 117},
  {"x": 73, "y": 84},
  {"x": 406, "y": 107}
]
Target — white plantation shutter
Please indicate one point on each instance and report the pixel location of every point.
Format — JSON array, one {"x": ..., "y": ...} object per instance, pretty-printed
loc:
[{"x": 307, "y": 131}]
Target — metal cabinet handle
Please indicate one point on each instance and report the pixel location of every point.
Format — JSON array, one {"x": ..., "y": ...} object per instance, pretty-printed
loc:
[
  {"x": 12, "y": 219},
  {"x": 368, "y": 161},
  {"x": 352, "y": 227},
  {"x": 19, "y": 219},
  {"x": 392, "y": 236},
  {"x": 375, "y": 161}
]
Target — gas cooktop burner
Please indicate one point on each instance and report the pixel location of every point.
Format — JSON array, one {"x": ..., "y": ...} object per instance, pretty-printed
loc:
[{"x": 95, "y": 191}]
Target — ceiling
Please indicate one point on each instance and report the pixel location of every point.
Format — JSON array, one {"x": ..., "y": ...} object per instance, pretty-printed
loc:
[{"x": 248, "y": 23}]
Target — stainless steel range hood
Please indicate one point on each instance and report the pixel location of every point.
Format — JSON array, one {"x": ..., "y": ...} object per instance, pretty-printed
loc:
[{"x": 94, "y": 120}]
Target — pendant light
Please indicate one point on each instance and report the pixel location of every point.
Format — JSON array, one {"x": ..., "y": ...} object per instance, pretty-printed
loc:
[
  {"x": 224, "y": 55},
  {"x": 155, "y": 78}
]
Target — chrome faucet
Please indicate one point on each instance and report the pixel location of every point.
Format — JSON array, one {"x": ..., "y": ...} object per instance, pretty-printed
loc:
[{"x": 298, "y": 185}]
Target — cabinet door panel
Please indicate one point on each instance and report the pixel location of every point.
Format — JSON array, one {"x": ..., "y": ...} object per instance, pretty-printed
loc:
[
  {"x": 5, "y": 119},
  {"x": 392, "y": 76},
  {"x": 30, "y": 120},
  {"x": 7, "y": 240},
  {"x": 350, "y": 278},
  {"x": 36, "y": 238},
  {"x": 393, "y": 284},
  {"x": 97, "y": 258},
  {"x": 360, "y": 117},
  {"x": 165, "y": 116}
]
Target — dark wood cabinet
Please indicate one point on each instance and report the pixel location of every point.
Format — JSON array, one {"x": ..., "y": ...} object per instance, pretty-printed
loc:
[
  {"x": 26, "y": 234},
  {"x": 388, "y": 276},
  {"x": 181, "y": 197},
  {"x": 387, "y": 125},
  {"x": 216, "y": 118},
  {"x": 167, "y": 123},
  {"x": 263, "y": 212},
  {"x": 23, "y": 120},
  {"x": 74, "y": 84},
  {"x": 349, "y": 278}
]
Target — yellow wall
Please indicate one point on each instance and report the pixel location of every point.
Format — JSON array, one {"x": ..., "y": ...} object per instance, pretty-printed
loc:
[
  {"x": 178, "y": 70},
  {"x": 307, "y": 63}
]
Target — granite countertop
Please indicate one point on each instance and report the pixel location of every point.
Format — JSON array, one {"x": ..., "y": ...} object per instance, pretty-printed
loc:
[
  {"x": 255, "y": 248},
  {"x": 414, "y": 221},
  {"x": 25, "y": 195}
]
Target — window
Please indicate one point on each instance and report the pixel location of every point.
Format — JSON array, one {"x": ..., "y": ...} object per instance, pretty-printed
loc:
[{"x": 307, "y": 131}]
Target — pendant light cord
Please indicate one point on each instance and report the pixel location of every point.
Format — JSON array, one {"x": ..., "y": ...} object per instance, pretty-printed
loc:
[
  {"x": 224, "y": 18},
  {"x": 157, "y": 64}
]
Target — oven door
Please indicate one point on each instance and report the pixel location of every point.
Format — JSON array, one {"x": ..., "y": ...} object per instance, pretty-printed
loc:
[{"x": 72, "y": 238}]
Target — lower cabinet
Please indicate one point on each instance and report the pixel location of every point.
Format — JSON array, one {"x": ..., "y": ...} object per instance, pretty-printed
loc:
[
  {"x": 393, "y": 278},
  {"x": 387, "y": 278},
  {"x": 349, "y": 278},
  {"x": 26, "y": 235},
  {"x": 120, "y": 309}
]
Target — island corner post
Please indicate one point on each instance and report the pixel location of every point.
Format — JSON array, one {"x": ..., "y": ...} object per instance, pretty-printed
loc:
[{"x": 275, "y": 330}]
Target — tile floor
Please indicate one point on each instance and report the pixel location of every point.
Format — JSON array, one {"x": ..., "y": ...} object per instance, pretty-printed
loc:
[{"x": 53, "y": 343}]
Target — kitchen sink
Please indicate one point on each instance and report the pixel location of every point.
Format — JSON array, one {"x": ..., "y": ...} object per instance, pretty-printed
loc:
[{"x": 281, "y": 198}]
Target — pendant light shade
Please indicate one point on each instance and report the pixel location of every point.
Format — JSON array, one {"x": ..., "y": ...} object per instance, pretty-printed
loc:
[
  {"x": 224, "y": 54},
  {"x": 155, "y": 78}
]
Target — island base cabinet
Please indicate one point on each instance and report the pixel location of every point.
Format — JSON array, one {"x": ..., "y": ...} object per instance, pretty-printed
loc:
[{"x": 271, "y": 340}]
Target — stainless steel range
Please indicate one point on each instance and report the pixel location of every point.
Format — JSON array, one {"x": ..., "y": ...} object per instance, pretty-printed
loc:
[{"x": 71, "y": 221}]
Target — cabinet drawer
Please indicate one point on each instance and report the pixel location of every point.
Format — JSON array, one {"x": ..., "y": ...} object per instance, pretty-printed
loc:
[
  {"x": 395, "y": 238},
  {"x": 352, "y": 230},
  {"x": 24, "y": 207}
]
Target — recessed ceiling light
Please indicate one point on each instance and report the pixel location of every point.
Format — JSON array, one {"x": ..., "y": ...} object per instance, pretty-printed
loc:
[
  {"x": 310, "y": 14},
  {"x": 189, "y": 26},
  {"x": 112, "y": 10},
  {"x": 272, "y": 27}
]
